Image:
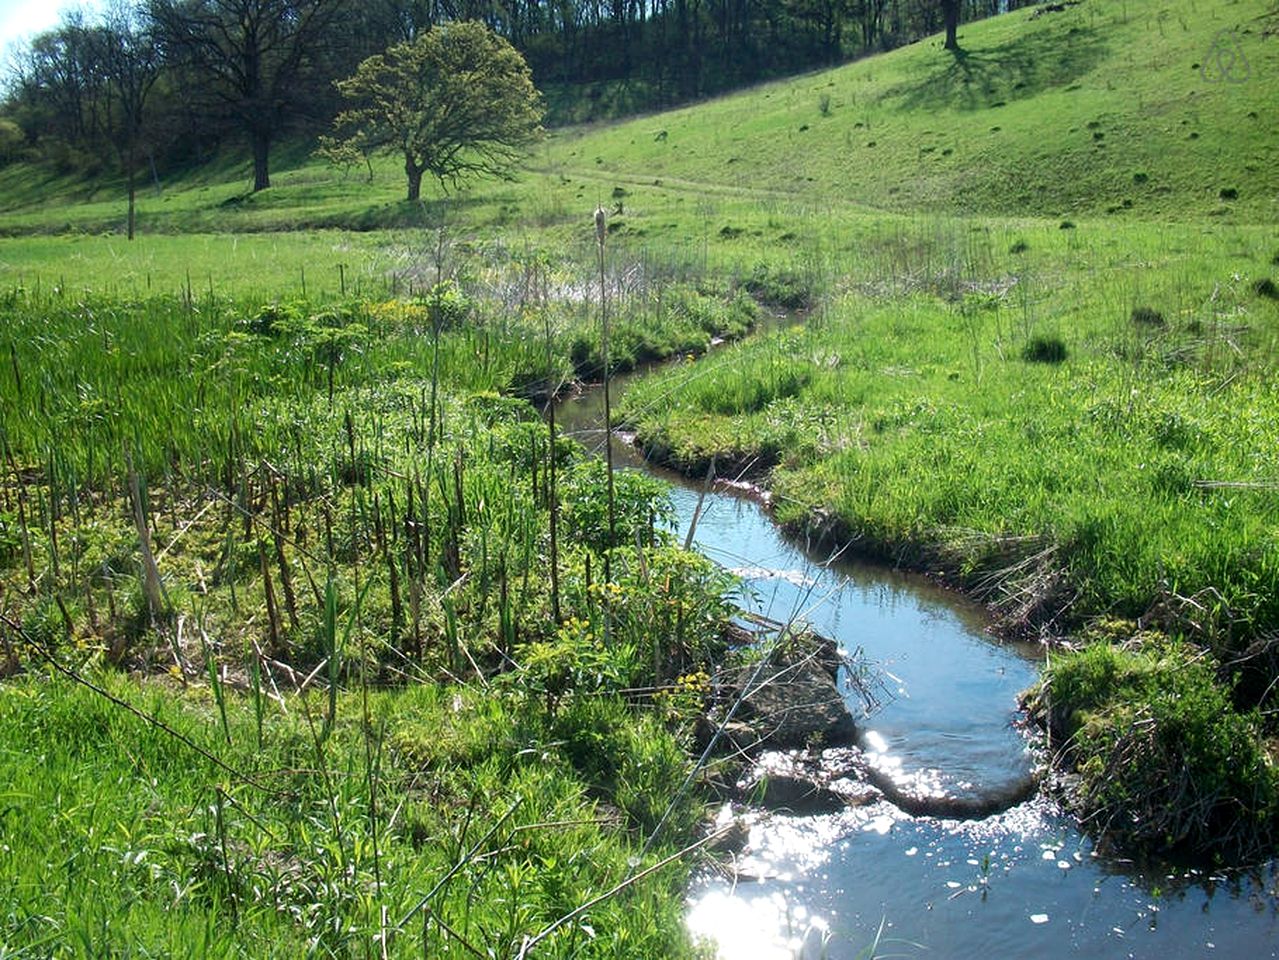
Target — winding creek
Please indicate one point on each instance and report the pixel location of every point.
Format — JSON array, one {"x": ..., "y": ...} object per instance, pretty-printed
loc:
[{"x": 873, "y": 881}]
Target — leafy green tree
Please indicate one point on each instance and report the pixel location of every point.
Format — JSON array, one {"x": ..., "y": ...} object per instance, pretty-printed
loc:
[
  {"x": 254, "y": 57},
  {"x": 458, "y": 101}
]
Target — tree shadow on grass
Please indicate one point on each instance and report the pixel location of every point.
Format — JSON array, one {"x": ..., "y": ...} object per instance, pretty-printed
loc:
[{"x": 973, "y": 79}]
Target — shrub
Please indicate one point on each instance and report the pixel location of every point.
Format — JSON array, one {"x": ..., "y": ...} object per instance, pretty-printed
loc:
[
  {"x": 639, "y": 502},
  {"x": 11, "y": 140},
  {"x": 446, "y": 305},
  {"x": 1164, "y": 760},
  {"x": 1044, "y": 350},
  {"x": 779, "y": 288}
]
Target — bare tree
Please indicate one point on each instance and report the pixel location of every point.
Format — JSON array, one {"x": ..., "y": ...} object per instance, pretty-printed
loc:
[{"x": 131, "y": 63}]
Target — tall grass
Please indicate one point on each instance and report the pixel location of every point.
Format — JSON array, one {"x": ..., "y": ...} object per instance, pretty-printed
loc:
[
  {"x": 330, "y": 493},
  {"x": 1138, "y": 471}
]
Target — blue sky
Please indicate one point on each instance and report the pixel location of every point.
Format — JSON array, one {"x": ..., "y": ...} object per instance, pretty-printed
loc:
[{"x": 21, "y": 18}]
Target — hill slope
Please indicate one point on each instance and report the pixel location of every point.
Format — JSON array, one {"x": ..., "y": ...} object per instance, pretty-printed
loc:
[
  {"x": 1100, "y": 108},
  {"x": 1155, "y": 110}
]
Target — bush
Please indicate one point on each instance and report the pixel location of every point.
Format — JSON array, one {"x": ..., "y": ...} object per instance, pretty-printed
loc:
[
  {"x": 1044, "y": 350},
  {"x": 1164, "y": 761},
  {"x": 640, "y": 505},
  {"x": 779, "y": 288},
  {"x": 11, "y": 141},
  {"x": 446, "y": 305}
]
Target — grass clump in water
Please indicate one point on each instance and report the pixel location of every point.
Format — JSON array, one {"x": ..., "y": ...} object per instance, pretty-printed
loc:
[
  {"x": 1164, "y": 760},
  {"x": 779, "y": 287}
]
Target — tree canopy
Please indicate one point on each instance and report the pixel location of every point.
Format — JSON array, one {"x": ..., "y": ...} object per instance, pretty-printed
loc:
[
  {"x": 252, "y": 56},
  {"x": 458, "y": 101}
]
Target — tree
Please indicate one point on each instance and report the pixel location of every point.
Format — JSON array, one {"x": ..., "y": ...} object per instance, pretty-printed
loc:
[
  {"x": 455, "y": 102},
  {"x": 252, "y": 55},
  {"x": 131, "y": 64},
  {"x": 950, "y": 13},
  {"x": 59, "y": 87}
]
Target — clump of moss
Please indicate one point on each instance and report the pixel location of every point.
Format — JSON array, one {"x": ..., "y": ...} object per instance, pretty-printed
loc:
[{"x": 1164, "y": 761}]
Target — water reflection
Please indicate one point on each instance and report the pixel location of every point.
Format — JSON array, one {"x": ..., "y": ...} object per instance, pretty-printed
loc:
[{"x": 1021, "y": 884}]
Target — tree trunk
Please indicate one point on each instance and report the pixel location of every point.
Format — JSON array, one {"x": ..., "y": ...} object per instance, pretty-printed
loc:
[
  {"x": 950, "y": 10},
  {"x": 261, "y": 160},
  {"x": 414, "y": 173},
  {"x": 133, "y": 192}
]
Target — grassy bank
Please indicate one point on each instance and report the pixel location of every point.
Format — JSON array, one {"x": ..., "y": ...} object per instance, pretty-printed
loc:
[
  {"x": 317, "y": 536},
  {"x": 1070, "y": 431}
]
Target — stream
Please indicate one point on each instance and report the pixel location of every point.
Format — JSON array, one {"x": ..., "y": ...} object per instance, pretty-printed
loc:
[{"x": 873, "y": 881}]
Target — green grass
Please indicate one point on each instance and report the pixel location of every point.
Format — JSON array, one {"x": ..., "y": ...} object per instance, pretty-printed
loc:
[
  {"x": 1035, "y": 354},
  {"x": 907, "y": 408},
  {"x": 120, "y": 839},
  {"x": 1101, "y": 106},
  {"x": 337, "y": 489},
  {"x": 1101, "y": 110}
]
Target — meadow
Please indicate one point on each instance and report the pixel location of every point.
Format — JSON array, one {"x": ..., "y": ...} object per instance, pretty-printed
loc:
[
  {"x": 368, "y": 656},
  {"x": 312, "y": 577}
]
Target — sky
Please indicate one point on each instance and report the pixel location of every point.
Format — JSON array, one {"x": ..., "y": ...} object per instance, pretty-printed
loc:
[{"x": 22, "y": 18}]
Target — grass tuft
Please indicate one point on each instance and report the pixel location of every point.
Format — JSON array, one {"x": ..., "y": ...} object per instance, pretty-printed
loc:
[
  {"x": 1044, "y": 350},
  {"x": 1163, "y": 759},
  {"x": 1147, "y": 317}
]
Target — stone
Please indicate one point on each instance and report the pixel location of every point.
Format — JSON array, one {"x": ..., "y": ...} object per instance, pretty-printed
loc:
[{"x": 800, "y": 706}]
